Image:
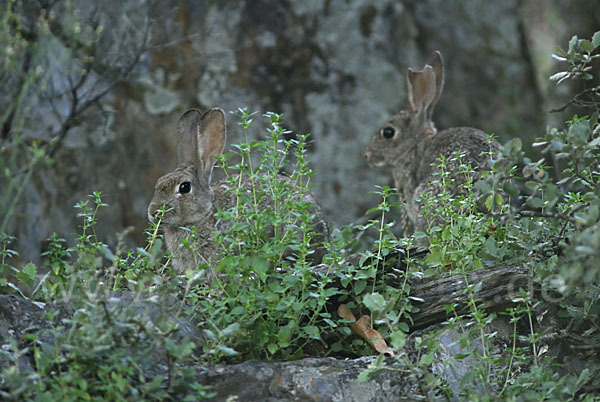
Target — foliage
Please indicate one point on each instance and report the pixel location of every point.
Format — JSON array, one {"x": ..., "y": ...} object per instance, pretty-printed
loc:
[
  {"x": 268, "y": 296},
  {"x": 542, "y": 214},
  {"x": 269, "y": 301},
  {"x": 106, "y": 346}
]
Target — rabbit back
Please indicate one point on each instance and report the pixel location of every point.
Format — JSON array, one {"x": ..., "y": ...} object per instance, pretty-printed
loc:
[{"x": 459, "y": 146}]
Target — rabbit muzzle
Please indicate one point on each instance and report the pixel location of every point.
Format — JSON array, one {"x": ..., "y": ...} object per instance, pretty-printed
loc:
[
  {"x": 155, "y": 213},
  {"x": 373, "y": 159}
]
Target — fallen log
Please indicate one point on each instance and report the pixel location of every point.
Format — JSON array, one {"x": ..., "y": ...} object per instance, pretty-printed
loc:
[{"x": 498, "y": 287}]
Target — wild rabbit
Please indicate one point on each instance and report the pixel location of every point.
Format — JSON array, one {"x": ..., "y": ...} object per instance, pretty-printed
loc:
[
  {"x": 191, "y": 201},
  {"x": 409, "y": 143}
]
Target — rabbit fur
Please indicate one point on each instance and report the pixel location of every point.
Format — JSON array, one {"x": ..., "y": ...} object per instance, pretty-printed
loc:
[
  {"x": 191, "y": 201},
  {"x": 409, "y": 143}
]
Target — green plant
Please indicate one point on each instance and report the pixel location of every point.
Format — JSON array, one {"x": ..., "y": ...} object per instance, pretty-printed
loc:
[
  {"x": 519, "y": 213},
  {"x": 108, "y": 348},
  {"x": 270, "y": 304}
]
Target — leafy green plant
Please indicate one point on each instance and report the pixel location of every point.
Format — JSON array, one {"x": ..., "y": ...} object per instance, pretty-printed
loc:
[
  {"x": 267, "y": 296},
  {"x": 105, "y": 348},
  {"x": 530, "y": 213}
]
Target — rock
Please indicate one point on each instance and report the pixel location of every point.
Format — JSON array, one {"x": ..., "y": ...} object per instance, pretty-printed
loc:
[{"x": 311, "y": 379}]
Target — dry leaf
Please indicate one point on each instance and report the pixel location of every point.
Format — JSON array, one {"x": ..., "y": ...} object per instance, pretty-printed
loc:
[
  {"x": 345, "y": 313},
  {"x": 363, "y": 328}
]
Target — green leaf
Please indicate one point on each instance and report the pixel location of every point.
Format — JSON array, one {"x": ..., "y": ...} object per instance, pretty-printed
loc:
[
  {"x": 579, "y": 132},
  {"x": 586, "y": 45},
  {"x": 560, "y": 53},
  {"x": 370, "y": 211},
  {"x": 573, "y": 44},
  {"x": 483, "y": 186},
  {"x": 227, "y": 350},
  {"x": 511, "y": 188},
  {"x": 232, "y": 329},
  {"x": 285, "y": 333},
  {"x": 426, "y": 360},
  {"x": 27, "y": 275},
  {"x": 260, "y": 265},
  {"x": 238, "y": 310},
  {"x": 359, "y": 286},
  {"x": 330, "y": 322},
  {"x": 312, "y": 332},
  {"x": 367, "y": 374},
  {"x": 402, "y": 326},
  {"x": 584, "y": 377},
  {"x": 596, "y": 39},
  {"x": 491, "y": 247},
  {"x": 374, "y": 302},
  {"x": 14, "y": 287},
  {"x": 337, "y": 347},
  {"x": 535, "y": 202},
  {"x": 489, "y": 202},
  {"x": 560, "y": 76},
  {"x": 512, "y": 147}
]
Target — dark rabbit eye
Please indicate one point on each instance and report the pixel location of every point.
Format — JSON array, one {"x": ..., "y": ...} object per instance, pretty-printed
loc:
[
  {"x": 388, "y": 132},
  {"x": 185, "y": 187}
]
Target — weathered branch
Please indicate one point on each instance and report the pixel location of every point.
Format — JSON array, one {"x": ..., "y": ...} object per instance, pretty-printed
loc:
[
  {"x": 78, "y": 107},
  {"x": 499, "y": 289},
  {"x": 575, "y": 100}
]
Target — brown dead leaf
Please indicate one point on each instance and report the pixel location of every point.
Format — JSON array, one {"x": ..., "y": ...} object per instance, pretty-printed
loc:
[
  {"x": 362, "y": 328},
  {"x": 345, "y": 313}
]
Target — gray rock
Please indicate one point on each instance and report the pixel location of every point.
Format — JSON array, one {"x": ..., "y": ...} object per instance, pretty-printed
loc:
[{"x": 311, "y": 379}]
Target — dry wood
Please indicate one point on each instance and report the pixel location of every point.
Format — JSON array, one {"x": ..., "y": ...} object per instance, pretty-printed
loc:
[{"x": 499, "y": 288}]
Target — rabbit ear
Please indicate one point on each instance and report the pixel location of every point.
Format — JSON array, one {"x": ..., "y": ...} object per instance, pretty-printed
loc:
[
  {"x": 421, "y": 90},
  {"x": 187, "y": 126},
  {"x": 210, "y": 138},
  {"x": 437, "y": 63}
]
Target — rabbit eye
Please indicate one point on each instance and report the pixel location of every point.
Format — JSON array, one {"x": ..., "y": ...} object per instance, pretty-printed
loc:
[
  {"x": 185, "y": 187},
  {"x": 388, "y": 132}
]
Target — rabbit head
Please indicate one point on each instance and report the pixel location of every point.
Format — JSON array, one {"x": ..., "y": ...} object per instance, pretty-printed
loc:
[
  {"x": 186, "y": 193},
  {"x": 400, "y": 136}
]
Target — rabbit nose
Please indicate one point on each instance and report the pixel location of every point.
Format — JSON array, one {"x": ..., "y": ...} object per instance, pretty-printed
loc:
[{"x": 153, "y": 211}]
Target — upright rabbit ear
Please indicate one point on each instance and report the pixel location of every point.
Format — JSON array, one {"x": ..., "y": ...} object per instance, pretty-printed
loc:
[
  {"x": 421, "y": 90},
  {"x": 437, "y": 63},
  {"x": 187, "y": 126},
  {"x": 210, "y": 140}
]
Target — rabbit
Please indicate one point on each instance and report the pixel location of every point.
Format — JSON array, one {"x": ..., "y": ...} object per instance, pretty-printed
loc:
[
  {"x": 190, "y": 200},
  {"x": 410, "y": 144}
]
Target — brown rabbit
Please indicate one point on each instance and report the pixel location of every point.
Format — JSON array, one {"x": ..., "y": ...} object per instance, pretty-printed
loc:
[
  {"x": 409, "y": 143},
  {"x": 191, "y": 201}
]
